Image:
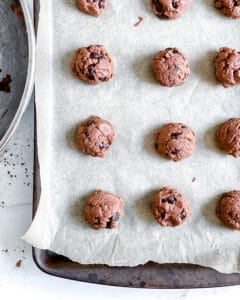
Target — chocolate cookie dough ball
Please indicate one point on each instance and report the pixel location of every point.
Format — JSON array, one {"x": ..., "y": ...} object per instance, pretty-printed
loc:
[
  {"x": 93, "y": 7},
  {"x": 103, "y": 210},
  {"x": 227, "y": 64},
  {"x": 171, "y": 67},
  {"x": 170, "y": 208},
  {"x": 229, "y": 209},
  {"x": 228, "y": 137},
  {"x": 95, "y": 136},
  {"x": 175, "y": 141},
  {"x": 93, "y": 64},
  {"x": 170, "y": 9},
  {"x": 230, "y": 8}
]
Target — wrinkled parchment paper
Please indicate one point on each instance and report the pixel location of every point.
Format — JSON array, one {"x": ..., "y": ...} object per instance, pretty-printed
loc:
[{"x": 136, "y": 106}]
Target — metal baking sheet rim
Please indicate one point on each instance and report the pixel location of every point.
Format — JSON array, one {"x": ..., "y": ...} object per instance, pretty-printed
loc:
[
  {"x": 171, "y": 276},
  {"x": 30, "y": 76}
]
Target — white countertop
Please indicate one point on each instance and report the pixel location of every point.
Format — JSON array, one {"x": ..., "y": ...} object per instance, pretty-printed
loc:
[{"x": 26, "y": 281}]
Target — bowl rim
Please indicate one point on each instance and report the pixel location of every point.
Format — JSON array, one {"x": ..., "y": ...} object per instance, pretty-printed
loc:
[{"x": 27, "y": 93}]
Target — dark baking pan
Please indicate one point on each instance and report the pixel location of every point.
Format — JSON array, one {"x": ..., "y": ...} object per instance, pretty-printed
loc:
[{"x": 150, "y": 275}]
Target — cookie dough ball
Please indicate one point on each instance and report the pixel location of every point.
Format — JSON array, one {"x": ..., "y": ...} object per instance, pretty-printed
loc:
[
  {"x": 230, "y": 8},
  {"x": 229, "y": 209},
  {"x": 228, "y": 137},
  {"x": 93, "y": 7},
  {"x": 170, "y": 208},
  {"x": 95, "y": 136},
  {"x": 93, "y": 64},
  {"x": 227, "y": 64},
  {"x": 103, "y": 210},
  {"x": 171, "y": 67},
  {"x": 175, "y": 141},
  {"x": 170, "y": 9}
]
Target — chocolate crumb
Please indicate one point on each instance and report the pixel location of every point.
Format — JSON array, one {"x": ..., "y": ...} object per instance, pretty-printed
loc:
[
  {"x": 194, "y": 179},
  {"x": 18, "y": 263},
  {"x": 4, "y": 84},
  {"x": 140, "y": 20}
]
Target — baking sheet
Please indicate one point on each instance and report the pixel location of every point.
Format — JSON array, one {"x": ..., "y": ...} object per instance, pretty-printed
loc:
[{"x": 136, "y": 106}]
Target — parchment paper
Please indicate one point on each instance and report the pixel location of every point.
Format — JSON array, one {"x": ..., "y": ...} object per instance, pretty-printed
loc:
[{"x": 136, "y": 106}]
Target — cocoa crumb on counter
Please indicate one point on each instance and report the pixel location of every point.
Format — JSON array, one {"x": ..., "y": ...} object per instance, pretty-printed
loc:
[
  {"x": 18, "y": 263},
  {"x": 140, "y": 20},
  {"x": 10, "y": 160},
  {"x": 4, "y": 84},
  {"x": 4, "y": 250},
  {"x": 194, "y": 179}
]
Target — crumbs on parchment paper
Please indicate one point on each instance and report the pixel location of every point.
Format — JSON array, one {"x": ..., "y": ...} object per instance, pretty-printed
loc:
[{"x": 140, "y": 20}]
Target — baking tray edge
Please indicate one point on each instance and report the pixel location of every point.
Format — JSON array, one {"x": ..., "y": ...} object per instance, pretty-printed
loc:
[{"x": 150, "y": 275}]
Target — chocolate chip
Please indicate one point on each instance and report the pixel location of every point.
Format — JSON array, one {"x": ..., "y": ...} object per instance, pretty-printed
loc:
[
  {"x": 183, "y": 214},
  {"x": 89, "y": 122},
  {"x": 103, "y": 146},
  {"x": 101, "y": 3},
  {"x": 95, "y": 55},
  {"x": 97, "y": 221},
  {"x": 175, "y": 152},
  {"x": 163, "y": 215},
  {"x": 175, "y": 51},
  {"x": 175, "y": 135},
  {"x": 102, "y": 78},
  {"x": 109, "y": 224},
  {"x": 158, "y": 5},
  {"x": 230, "y": 214},
  {"x": 171, "y": 199},
  {"x": 90, "y": 74},
  {"x": 236, "y": 3},
  {"x": 156, "y": 145},
  {"x": 167, "y": 49},
  {"x": 175, "y": 4}
]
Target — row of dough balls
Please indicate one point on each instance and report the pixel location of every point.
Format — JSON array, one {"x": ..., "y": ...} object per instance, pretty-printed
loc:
[
  {"x": 175, "y": 141},
  {"x": 94, "y": 65},
  {"x": 164, "y": 9},
  {"x": 169, "y": 208}
]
